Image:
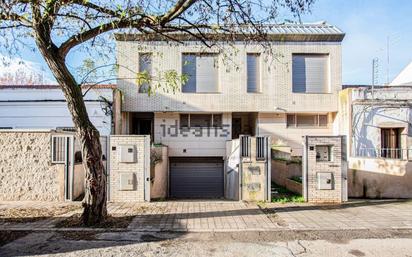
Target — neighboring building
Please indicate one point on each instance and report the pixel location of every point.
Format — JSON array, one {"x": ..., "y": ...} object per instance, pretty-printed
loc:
[
  {"x": 44, "y": 107},
  {"x": 378, "y": 125},
  {"x": 404, "y": 78},
  {"x": 239, "y": 89}
]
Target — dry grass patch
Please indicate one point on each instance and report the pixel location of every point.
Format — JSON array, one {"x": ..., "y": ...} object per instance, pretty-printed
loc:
[
  {"x": 29, "y": 214},
  {"x": 121, "y": 218}
]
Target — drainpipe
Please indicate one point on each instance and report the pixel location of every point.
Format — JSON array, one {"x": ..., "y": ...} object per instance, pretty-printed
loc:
[{"x": 305, "y": 168}]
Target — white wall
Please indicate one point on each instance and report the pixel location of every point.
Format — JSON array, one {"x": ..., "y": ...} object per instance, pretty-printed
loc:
[
  {"x": 46, "y": 109},
  {"x": 274, "y": 125},
  {"x": 205, "y": 145}
]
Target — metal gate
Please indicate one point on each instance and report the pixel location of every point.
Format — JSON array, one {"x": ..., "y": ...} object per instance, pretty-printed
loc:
[{"x": 196, "y": 177}]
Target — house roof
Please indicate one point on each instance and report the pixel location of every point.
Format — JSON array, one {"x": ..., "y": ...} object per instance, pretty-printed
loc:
[
  {"x": 404, "y": 78},
  {"x": 55, "y": 86},
  {"x": 320, "y": 31}
]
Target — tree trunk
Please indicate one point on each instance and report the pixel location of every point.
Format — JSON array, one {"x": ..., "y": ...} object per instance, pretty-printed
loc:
[{"x": 94, "y": 202}]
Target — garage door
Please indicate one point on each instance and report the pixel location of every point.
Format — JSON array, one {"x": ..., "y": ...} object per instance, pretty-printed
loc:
[{"x": 196, "y": 178}]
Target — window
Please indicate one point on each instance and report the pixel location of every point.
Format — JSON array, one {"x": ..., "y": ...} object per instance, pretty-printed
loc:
[
  {"x": 307, "y": 120},
  {"x": 310, "y": 73},
  {"x": 202, "y": 72},
  {"x": 391, "y": 143},
  {"x": 58, "y": 151},
  {"x": 145, "y": 71},
  {"x": 200, "y": 120},
  {"x": 253, "y": 73},
  {"x": 184, "y": 120}
]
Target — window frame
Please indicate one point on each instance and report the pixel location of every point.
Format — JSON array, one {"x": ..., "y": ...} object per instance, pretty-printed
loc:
[
  {"x": 212, "y": 125},
  {"x": 317, "y": 125},
  {"x": 393, "y": 136},
  {"x": 258, "y": 72},
  {"x": 217, "y": 63},
  {"x": 150, "y": 73},
  {"x": 328, "y": 70}
]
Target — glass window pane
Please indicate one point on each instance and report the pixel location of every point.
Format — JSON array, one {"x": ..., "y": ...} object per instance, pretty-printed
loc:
[
  {"x": 145, "y": 71},
  {"x": 217, "y": 120},
  {"x": 253, "y": 73},
  {"x": 184, "y": 120},
  {"x": 306, "y": 120},
  {"x": 290, "y": 120},
  {"x": 310, "y": 73},
  {"x": 200, "y": 120},
  {"x": 189, "y": 70},
  {"x": 323, "y": 120}
]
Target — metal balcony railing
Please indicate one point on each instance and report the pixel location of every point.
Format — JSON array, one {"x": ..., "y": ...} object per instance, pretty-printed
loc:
[{"x": 388, "y": 153}]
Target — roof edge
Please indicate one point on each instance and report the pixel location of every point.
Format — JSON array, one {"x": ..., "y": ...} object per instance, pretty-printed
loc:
[{"x": 332, "y": 37}]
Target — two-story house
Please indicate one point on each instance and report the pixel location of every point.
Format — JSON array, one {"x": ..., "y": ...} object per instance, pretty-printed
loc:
[{"x": 285, "y": 88}]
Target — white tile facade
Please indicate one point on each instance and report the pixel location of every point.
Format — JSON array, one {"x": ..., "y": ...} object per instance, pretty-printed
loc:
[
  {"x": 276, "y": 97},
  {"x": 139, "y": 168},
  {"x": 276, "y": 79}
]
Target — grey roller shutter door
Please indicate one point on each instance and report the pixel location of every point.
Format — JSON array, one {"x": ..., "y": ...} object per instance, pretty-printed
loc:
[
  {"x": 310, "y": 73},
  {"x": 196, "y": 178}
]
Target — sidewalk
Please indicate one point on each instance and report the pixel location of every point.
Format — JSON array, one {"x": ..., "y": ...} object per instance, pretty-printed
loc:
[{"x": 226, "y": 216}]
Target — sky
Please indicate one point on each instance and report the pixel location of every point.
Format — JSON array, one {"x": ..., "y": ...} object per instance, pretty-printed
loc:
[{"x": 370, "y": 26}]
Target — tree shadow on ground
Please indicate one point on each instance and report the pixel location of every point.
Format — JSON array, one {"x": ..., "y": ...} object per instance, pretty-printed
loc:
[{"x": 354, "y": 203}]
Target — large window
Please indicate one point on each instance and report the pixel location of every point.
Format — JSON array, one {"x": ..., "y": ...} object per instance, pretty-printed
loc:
[
  {"x": 310, "y": 73},
  {"x": 253, "y": 73},
  {"x": 391, "y": 143},
  {"x": 307, "y": 120},
  {"x": 202, "y": 72},
  {"x": 200, "y": 120},
  {"x": 145, "y": 71}
]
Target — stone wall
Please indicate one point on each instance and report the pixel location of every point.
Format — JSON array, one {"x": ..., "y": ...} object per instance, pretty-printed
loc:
[
  {"x": 26, "y": 172},
  {"x": 336, "y": 166},
  {"x": 140, "y": 168}
]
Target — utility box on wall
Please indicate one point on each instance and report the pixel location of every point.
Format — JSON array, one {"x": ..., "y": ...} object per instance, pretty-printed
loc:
[
  {"x": 325, "y": 169},
  {"x": 325, "y": 180},
  {"x": 127, "y": 153},
  {"x": 127, "y": 181}
]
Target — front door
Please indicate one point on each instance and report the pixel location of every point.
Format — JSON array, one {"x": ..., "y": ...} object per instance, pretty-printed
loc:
[{"x": 236, "y": 127}]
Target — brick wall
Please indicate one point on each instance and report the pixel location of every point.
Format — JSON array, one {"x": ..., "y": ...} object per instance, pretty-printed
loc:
[
  {"x": 336, "y": 166},
  {"x": 141, "y": 168}
]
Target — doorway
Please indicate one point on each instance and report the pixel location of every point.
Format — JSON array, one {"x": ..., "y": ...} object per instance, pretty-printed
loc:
[
  {"x": 142, "y": 124},
  {"x": 244, "y": 123}
]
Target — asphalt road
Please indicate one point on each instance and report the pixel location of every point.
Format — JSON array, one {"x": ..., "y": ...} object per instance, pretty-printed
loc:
[{"x": 310, "y": 243}]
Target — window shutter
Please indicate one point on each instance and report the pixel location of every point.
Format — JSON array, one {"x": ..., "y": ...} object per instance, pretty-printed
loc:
[
  {"x": 310, "y": 73},
  {"x": 202, "y": 72},
  {"x": 206, "y": 74},
  {"x": 59, "y": 149},
  {"x": 253, "y": 73},
  {"x": 145, "y": 65}
]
